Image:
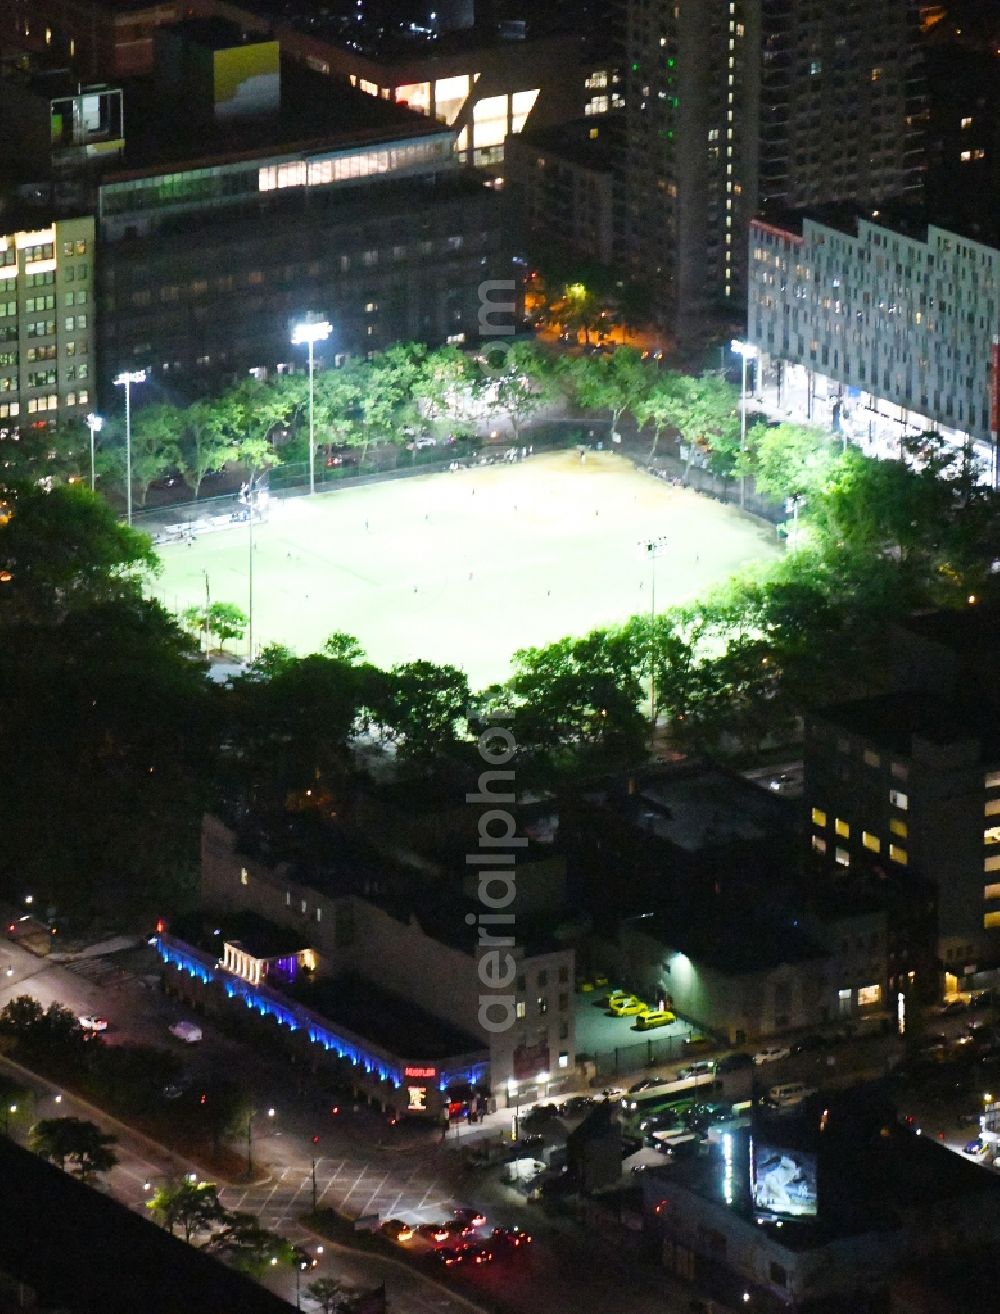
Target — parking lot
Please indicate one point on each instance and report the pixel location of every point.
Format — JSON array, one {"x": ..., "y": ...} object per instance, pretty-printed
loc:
[{"x": 615, "y": 1043}]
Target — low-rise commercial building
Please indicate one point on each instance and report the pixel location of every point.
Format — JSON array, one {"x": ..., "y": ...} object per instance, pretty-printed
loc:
[
  {"x": 876, "y": 319},
  {"x": 815, "y": 1213},
  {"x": 425, "y": 950}
]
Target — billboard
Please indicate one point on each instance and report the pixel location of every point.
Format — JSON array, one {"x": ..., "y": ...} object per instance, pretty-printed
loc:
[{"x": 783, "y": 1181}]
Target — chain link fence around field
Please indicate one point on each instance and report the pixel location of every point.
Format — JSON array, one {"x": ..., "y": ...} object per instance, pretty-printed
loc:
[{"x": 177, "y": 520}]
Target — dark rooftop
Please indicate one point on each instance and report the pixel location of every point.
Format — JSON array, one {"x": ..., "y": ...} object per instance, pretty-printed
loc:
[
  {"x": 903, "y": 217},
  {"x": 83, "y": 1252},
  {"x": 892, "y": 720},
  {"x": 385, "y": 1019},
  {"x": 316, "y": 113},
  {"x": 573, "y": 142},
  {"x": 259, "y": 937},
  {"x": 733, "y": 937},
  {"x": 966, "y": 632},
  {"x": 696, "y": 807},
  {"x": 215, "y": 33},
  {"x": 872, "y": 1174}
]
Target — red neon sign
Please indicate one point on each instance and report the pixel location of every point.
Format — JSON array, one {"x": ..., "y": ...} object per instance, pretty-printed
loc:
[{"x": 427, "y": 1073}]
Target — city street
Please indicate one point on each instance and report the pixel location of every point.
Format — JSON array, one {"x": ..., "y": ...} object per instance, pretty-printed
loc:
[
  {"x": 362, "y": 1167},
  {"x": 365, "y": 1167}
]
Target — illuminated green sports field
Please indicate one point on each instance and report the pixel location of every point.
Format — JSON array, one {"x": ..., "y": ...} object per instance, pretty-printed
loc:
[{"x": 466, "y": 567}]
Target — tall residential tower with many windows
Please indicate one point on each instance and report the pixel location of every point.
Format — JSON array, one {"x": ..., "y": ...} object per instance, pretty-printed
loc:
[{"x": 737, "y": 105}]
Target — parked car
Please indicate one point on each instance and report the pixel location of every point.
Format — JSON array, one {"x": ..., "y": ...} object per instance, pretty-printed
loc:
[
  {"x": 575, "y": 1105},
  {"x": 448, "y": 1256},
  {"x": 771, "y": 1054},
  {"x": 515, "y": 1237},
  {"x": 734, "y": 1062},
  {"x": 647, "y": 1083},
  {"x": 304, "y": 1259},
  {"x": 627, "y": 1006},
  {"x": 479, "y": 1254},
  {"x": 91, "y": 1022},
  {"x": 653, "y": 1018},
  {"x": 398, "y": 1230},
  {"x": 470, "y": 1217},
  {"x": 437, "y": 1233},
  {"x": 189, "y": 1032},
  {"x": 699, "y": 1068}
]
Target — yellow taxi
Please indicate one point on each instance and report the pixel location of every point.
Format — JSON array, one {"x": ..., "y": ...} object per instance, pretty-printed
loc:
[
  {"x": 627, "y": 1006},
  {"x": 654, "y": 1017}
]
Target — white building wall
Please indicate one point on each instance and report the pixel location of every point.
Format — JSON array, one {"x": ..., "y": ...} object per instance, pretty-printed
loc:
[{"x": 910, "y": 320}]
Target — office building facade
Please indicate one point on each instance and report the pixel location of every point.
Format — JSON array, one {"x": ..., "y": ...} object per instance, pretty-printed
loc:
[
  {"x": 892, "y": 322},
  {"x": 733, "y": 105},
  {"x": 903, "y": 785},
  {"x": 46, "y": 323}
]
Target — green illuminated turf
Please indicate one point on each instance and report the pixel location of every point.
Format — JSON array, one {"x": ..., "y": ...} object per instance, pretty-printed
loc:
[{"x": 466, "y": 567}]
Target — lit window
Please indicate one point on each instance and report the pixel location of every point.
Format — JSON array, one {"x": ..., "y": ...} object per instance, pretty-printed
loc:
[
  {"x": 871, "y": 841},
  {"x": 965, "y": 157},
  {"x": 991, "y": 921},
  {"x": 244, "y": 876},
  {"x": 319, "y": 914},
  {"x": 900, "y": 800},
  {"x": 842, "y": 857},
  {"x": 992, "y": 780},
  {"x": 991, "y": 835},
  {"x": 869, "y": 996},
  {"x": 992, "y": 808},
  {"x": 564, "y": 1060},
  {"x": 302, "y": 905},
  {"x": 992, "y": 864},
  {"x": 899, "y": 827},
  {"x": 842, "y": 828},
  {"x": 897, "y": 854},
  {"x": 543, "y": 1005},
  {"x": 819, "y": 844},
  {"x": 967, "y": 122},
  {"x": 819, "y": 817},
  {"x": 521, "y": 1008},
  {"x": 991, "y": 891},
  {"x": 871, "y": 759}
]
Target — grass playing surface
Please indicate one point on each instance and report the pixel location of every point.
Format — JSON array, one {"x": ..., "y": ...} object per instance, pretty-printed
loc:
[{"x": 466, "y": 567}]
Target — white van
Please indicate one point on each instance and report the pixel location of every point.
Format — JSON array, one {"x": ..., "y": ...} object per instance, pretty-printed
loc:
[
  {"x": 189, "y": 1032},
  {"x": 789, "y": 1094}
]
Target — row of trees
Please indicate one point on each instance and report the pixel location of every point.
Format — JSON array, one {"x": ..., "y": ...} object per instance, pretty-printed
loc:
[{"x": 385, "y": 400}]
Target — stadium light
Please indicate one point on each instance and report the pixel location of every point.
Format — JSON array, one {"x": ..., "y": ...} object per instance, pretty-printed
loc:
[
  {"x": 125, "y": 380},
  {"x": 746, "y": 351},
  {"x": 310, "y": 332},
  {"x": 95, "y": 423}
]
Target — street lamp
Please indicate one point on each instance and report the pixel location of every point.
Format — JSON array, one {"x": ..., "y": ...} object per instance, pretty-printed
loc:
[
  {"x": 95, "y": 423},
  {"x": 513, "y": 1088},
  {"x": 654, "y": 547},
  {"x": 125, "y": 380},
  {"x": 746, "y": 351},
  {"x": 310, "y": 332},
  {"x": 250, "y": 1117}
]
